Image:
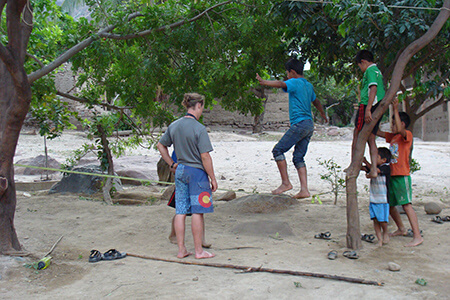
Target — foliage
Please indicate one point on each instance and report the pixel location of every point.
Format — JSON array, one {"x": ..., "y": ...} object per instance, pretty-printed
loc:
[
  {"x": 414, "y": 166},
  {"x": 334, "y": 175},
  {"x": 337, "y": 98}
]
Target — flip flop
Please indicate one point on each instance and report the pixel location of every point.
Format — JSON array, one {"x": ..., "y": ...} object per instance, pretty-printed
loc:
[
  {"x": 368, "y": 238},
  {"x": 332, "y": 255},
  {"x": 323, "y": 235},
  {"x": 410, "y": 233},
  {"x": 437, "y": 219},
  {"x": 446, "y": 219},
  {"x": 95, "y": 256},
  {"x": 113, "y": 254},
  {"x": 350, "y": 254}
]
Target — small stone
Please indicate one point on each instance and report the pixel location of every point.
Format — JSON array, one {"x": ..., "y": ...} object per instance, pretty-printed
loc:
[
  {"x": 227, "y": 196},
  {"x": 195, "y": 279},
  {"x": 392, "y": 266},
  {"x": 432, "y": 208}
]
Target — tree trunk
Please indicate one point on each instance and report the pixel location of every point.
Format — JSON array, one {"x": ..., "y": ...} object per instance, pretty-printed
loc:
[
  {"x": 353, "y": 230},
  {"x": 15, "y": 99},
  {"x": 107, "y": 183},
  {"x": 259, "y": 119}
]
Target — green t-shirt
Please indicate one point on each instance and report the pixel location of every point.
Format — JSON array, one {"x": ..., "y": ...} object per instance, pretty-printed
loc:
[{"x": 372, "y": 76}]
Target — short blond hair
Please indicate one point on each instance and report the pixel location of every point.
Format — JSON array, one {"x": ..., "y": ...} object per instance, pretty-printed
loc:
[{"x": 191, "y": 99}]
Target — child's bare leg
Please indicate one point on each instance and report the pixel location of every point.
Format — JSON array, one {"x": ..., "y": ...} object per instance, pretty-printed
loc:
[
  {"x": 197, "y": 232},
  {"x": 401, "y": 230},
  {"x": 384, "y": 227},
  {"x": 285, "y": 183},
  {"x": 377, "y": 227},
  {"x": 204, "y": 243},
  {"x": 179, "y": 223},
  {"x": 173, "y": 235},
  {"x": 303, "y": 176},
  {"x": 412, "y": 217},
  {"x": 373, "y": 155}
]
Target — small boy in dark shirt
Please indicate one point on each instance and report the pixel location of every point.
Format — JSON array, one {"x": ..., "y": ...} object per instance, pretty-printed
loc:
[{"x": 379, "y": 193}]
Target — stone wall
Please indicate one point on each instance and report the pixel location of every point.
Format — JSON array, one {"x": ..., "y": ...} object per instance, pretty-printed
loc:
[
  {"x": 434, "y": 125},
  {"x": 276, "y": 115}
]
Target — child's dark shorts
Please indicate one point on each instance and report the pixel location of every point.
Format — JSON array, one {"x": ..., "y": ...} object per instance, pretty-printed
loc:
[{"x": 361, "y": 114}]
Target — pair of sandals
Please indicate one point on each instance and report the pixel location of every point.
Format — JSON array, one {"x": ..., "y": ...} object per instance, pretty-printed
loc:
[
  {"x": 323, "y": 235},
  {"x": 440, "y": 220},
  {"x": 111, "y": 254},
  {"x": 333, "y": 254}
]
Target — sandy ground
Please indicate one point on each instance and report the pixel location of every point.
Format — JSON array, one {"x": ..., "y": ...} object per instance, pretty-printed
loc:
[{"x": 243, "y": 163}]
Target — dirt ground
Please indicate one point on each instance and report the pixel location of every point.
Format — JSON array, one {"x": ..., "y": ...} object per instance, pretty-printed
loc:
[{"x": 278, "y": 240}]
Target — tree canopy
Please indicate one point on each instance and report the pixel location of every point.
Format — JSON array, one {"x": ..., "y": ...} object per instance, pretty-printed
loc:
[{"x": 330, "y": 34}]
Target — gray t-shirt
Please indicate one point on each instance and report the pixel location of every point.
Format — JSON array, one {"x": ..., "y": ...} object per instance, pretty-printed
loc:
[{"x": 190, "y": 139}]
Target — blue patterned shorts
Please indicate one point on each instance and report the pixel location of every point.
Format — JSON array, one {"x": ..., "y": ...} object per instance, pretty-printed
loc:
[{"x": 193, "y": 193}]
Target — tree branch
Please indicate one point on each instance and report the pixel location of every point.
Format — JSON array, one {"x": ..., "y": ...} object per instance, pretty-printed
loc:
[
  {"x": 431, "y": 107},
  {"x": 162, "y": 28},
  {"x": 85, "y": 101},
  {"x": 40, "y": 63},
  {"x": 64, "y": 57}
]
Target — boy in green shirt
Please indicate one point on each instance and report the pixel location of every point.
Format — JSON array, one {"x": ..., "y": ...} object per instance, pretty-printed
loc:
[{"x": 372, "y": 92}]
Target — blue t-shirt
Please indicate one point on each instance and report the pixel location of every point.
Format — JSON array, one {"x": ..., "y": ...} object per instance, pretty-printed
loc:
[{"x": 301, "y": 94}]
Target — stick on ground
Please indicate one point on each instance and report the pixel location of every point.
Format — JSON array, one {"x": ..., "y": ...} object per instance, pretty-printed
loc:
[
  {"x": 259, "y": 269},
  {"x": 53, "y": 247}
]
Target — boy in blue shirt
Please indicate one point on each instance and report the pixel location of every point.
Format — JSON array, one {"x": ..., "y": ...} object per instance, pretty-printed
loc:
[{"x": 301, "y": 95}]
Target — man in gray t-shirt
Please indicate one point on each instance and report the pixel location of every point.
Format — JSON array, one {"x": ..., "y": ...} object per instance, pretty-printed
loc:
[
  {"x": 190, "y": 139},
  {"x": 194, "y": 173}
]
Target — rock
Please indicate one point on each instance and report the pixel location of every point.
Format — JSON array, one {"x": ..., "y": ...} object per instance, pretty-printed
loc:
[
  {"x": 164, "y": 173},
  {"x": 432, "y": 208},
  {"x": 168, "y": 193},
  {"x": 392, "y": 266},
  {"x": 227, "y": 196},
  {"x": 262, "y": 203},
  {"x": 332, "y": 132},
  {"x": 131, "y": 172},
  {"x": 38, "y": 161},
  {"x": 83, "y": 184}
]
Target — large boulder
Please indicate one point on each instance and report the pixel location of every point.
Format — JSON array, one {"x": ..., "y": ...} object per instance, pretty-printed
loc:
[
  {"x": 83, "y": 184},
  {"x": 262, "y": 203},
  {"x": 164, "y": 173},
  {"x": 38, "y": 161}
]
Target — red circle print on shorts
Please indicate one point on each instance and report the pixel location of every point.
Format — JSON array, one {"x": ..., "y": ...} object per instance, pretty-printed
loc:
[{"x": 204, "y": 199}]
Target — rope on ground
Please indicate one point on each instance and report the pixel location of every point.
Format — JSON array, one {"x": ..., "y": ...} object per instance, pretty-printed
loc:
[{"x": 260, "y": 269}]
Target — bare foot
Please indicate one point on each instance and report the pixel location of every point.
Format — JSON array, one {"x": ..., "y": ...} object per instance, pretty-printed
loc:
[
  {"x": 380, "y": 243},
  {"x": 184, "y": 254},
  {"x": 302, "y": 194},
  {"x": 173, "y": 239},
  {"x": 282, "y": 188},
  {"x": 415, "y": 242},
  {"x": 204, "y": 254},
  {"x": 398, "y": 232},
  {"x": 206, "y": 245},
  {"x": 386, "y": 238}
]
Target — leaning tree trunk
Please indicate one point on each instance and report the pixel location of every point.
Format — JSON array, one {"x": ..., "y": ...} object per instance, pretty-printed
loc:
[
  {"x": 15, "y": 99},
  {"x": 259, "y": 119},
  {"x": 353, "y": 230}
]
